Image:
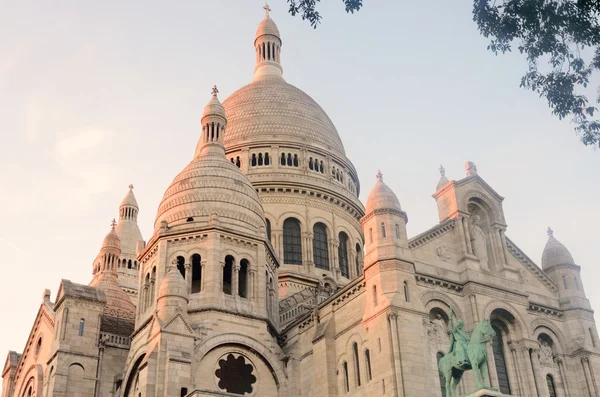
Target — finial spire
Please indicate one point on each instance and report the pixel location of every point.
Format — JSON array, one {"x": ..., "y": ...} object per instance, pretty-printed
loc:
[
  {"x": 267, "y": 9},
  {"x": 131, "y": 187},
  {"x": 379, "y": 176},
  {"x": 442, "y": 170},
  {"x": 550, "y": 232},
  {"x": 214, "y": 91},
  {"x": 113, "y": 224}
]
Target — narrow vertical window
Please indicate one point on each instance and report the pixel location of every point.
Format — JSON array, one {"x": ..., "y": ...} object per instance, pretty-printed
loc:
[
  {"x": 346, "y": 380},
  {"x": 292, "y": 242},
  {"x": 398, "y": 232},
  {"x": 227, "y": 273},
  {"x": 551, "y": 388},
  {"x": 371, "y": 236},
  {"x": 374, "y": 296},
  {"x": 295, "y": 160},
  {"x": 253, "y": 161},
  {"x": 289, "y": 159},
  {"x": 243, "y": 279},
  {"x": 564, "y": 280},
  {"x": 181, "y": 265},
  {"x": 184, "y": 392},
  {"x": 368, "y": 364},
  {"x": 356, "y": 364},
  {"x": 320, "y": 246},
  {"x": 576, "y": 282},
  {"x": 267, "y": 160},
  {"x": 343, "y": 254},
  {"x": 359, "y": 260},
  {"x": 196, "y": 273},
  {"x": 383, "y": 234},
  {"x": 310, "y": 163},
  {"x": 500, "y": 361},
  {"x": 441, "y": 377},
  {"x": 81, "y": 326},
  {"x": 260, "y": 159},
  {"x": 282, "y": 158},
  {"x": 592, "y": 337},
  {"x": 406, "y": 296},
  {"x": 268, "y": 222}
]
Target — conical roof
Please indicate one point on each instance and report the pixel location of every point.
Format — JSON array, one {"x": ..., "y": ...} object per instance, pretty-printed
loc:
[
  {"x": 173, "y": 285},
  {"x": 555, "y": 253},
  {"x": 112, "y": 239},
  {"x": 129, "y": 199},
  {"x": 381, "y": 197},
  {"x": 267, "y": 26}
]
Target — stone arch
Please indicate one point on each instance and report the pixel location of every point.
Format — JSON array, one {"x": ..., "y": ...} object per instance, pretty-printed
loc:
[
  {"x": 319, "y": 219},
  {"x": 35, "y": 377},
  {"x": 542, "y": 325},
  {"x": 291, "y": 214},
  {"x": 344, "y": 228},
  {"x": 519, "y": 326},
  {"x": 354, "y": 337},
  {"x": 471, "y": 194},
  {"x": 132, "y": 372},
  {"x": 263, "y": 352},
  {"x": 433, "y": 299}
]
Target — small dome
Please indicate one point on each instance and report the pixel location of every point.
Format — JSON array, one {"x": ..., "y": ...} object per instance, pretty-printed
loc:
[
  {"x": 267, "y": 26},
  {"x": 214, "y": 107},
  {"x": 555, "y": 253},
  {"x": 129, "y": 199},
  {"x": 118, "y": 303},
  {"x": 173, "y": 285},
  {"x": 112, "y": 238},
  {"x": 381, "y": 197}
]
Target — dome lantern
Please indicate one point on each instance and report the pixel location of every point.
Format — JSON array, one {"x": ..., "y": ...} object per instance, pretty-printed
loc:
[
  {"x": 213, "y": 126},
  {"x": 267, "y": 45}
]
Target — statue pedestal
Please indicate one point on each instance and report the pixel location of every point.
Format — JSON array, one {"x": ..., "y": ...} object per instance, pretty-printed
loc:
[{"x": 485, "y": 393}]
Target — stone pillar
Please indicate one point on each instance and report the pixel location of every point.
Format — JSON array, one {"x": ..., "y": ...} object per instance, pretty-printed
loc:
[
  {"x": 563, "y": 375},
  {"x": 529, "y": 370},
  {"x": 394, "y": 354},
  {"x": 589, "y": 377},
  {"x": 474, "y": 311},
  {"x": 504, "y": 246},
  {"x": 219, "y": 282},
  {"x": 202, "y": 275},
  {"x": 468, "y": 236},
  {"x": 251, "y": 282},
  {"x": 188, "y": 277},
  {"x": 518, "y": 370},
  {"x": 235, "y": 280},
  {"x": 352, "y": 270},
  {"x": 535, "y": 362}
]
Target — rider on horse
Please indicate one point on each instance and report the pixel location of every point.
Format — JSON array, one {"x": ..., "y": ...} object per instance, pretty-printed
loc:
[{"x": 460, "y": 339}]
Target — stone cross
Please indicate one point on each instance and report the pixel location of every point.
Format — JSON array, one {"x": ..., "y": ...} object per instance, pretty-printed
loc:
[
  {"x": 267, "y": 9},
  {"x": 471, "y": 168},
  {"x": 130, "y": 187},
  {"x": 442, "y": 171},
  {"x": 113, "y": 224},
  {"x": 214, "y": 91},
  {"x": 379, "y": 176},
  {"x": 550, "y": 232}
]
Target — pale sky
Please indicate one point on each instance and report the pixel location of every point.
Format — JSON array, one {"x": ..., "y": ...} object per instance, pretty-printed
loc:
[{"x": 97, "y": 95}]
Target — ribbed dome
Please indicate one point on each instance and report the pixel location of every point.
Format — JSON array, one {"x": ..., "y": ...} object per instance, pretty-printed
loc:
[
  {"x": 271, "y": 110},
  {"x": 382, "y": 197},
  {"x": 112, "y": 239},
  {"x": 211, "y": 184},
  {"x": 555, "y": 253},
  {"x": 173, "y": 285},
  {"x": 267, "y": 26}
]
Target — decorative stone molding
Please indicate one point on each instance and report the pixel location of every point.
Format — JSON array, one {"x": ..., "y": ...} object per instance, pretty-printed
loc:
[
  {"x": 534, "y": 308},
  {"x": 429, "y": 281},
  {"x": 530, "y": 265},
  {"x": 432, "y": 233}
]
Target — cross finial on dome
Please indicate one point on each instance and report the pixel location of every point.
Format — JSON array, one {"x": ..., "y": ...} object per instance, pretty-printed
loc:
[
  {"x": 267, "y": 9},
  {"x": 214, "y": 91},
  {"x": 113, "y": 224},
  {"x": 550, "y": 232},
  {"x": 131, "y": 187},
  {"x": 379, "y": 176},
  {"x": 442, "y": 170}
]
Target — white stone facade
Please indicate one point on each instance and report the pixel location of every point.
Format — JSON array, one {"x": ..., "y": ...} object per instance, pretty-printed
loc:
[{"x": 266, "y": 276}]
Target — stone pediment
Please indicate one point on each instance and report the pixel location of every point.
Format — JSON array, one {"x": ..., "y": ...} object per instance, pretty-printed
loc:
[
  {"x": 477, "y": 180},
  {"x": 530, "y": 266}
]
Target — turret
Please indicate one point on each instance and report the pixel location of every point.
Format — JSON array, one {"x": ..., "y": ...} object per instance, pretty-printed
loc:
[
  {"x": 213, "y": 127},
  {"x": 267, "y": 45},
  {"x": 172, "y": 295},
  {"x": 384, "y": 225}
]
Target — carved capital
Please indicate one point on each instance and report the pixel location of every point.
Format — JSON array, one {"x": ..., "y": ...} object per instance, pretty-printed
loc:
[
  {"x": 392, "y": 316},
  {"x": 585, "y": 359}
]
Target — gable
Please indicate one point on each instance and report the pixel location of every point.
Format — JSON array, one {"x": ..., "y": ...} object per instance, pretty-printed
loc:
[{"x": 534, "y": 278}]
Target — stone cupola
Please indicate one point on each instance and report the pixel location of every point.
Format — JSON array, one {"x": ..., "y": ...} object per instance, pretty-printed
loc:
[{"x": 267, "y": 45}]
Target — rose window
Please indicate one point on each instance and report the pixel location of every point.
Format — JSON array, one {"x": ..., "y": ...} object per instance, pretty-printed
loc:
[{"x": 235, "y": 374}]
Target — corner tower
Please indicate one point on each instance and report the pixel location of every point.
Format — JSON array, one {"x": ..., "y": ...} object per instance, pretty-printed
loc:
[{"x": 290, "y": 150}]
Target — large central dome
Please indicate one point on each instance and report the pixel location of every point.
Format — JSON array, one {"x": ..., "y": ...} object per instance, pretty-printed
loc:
[{"x": 271, "y": 110}]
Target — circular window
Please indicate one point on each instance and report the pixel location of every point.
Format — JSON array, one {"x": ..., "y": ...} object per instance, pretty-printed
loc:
[
  {"x": 235, "y": 374},
  {"x": 38, "y": 346}
]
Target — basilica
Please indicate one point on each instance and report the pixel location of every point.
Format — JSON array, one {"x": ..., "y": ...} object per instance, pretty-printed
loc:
[{"x": 266, "y": 276}]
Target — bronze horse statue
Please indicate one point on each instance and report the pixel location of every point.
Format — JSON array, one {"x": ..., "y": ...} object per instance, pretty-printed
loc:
[{"x": 452, "y": 368}]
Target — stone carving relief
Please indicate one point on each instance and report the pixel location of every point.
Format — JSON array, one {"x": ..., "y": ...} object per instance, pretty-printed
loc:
[
  {"x": 437, "y": 331},
  {"x": 479, "y": 242},
  {"x": 443, "y": 252},
  {"x": 545, "y": 354}
]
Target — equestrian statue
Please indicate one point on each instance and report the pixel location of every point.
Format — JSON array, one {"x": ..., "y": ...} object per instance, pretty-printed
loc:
[{"x": 466, "y": 352}]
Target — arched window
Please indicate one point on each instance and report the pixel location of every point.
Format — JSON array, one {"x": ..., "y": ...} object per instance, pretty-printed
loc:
[
  {"x": 499, "y": 359},
  {"x": 129, "y": 264},
  {"x": 227, "y": 273},
  {"x": 374, "y": 295},
  {"x": 282, "y": 158},
  {"x": 238, "y": 163},
  {"x": 383, "y": 234},
  {"x": 181, "y": 265},
  {"x": 343, "y": 254},
  {"x": 564, "y": 280},
  {"x": 268, "y": 222},
  {"x": 359, "y": 260},
  {"x": 81, "y": 327},
  {"x": 551, "y": 388},
  {"x": 253, "y": 159},
  {"x": 74, "y": 380},
  {"x": 196, "y": 273},
  {"x": 243, "y": 279},
  {"x": 346, "y": 380},
  {"x": 260, "y": 159},
  {"x": 368, "y": 364},
  {"x": 406, "y": 296},
  {"x": 322, "y": 168},
  {"x": 310, "y": 164},
  {"x": 442, "y": 380},
  {"x": 289, "y": 159},
  {"x": 184, "y": 392},
  {"x": 320, "y": 249},
  {"x": 356, "y": 364},
  {"x": 292, "y": 242},
  {"x": 267, "y": 160},
  {"x": 295, "y": 160}
]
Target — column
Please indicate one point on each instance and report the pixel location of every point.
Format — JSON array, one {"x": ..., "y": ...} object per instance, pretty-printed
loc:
[
  {"x": 188, "y": 277},
  {"x": 504, "y": 246},
  {"x": 589, "y": 376},
  {"x": 235, "y": 280},
  {"x": 468, "y": 236},
  {"x": 474, "y": 311},
  {"x": 396, "y": 372},
  {"x": 535, "y": 363},
  {"x": 461, "y": 232},
  {"x": 352, "y": 262},
  {"x": 220, "y": 278},
  {"x": 529, "y": 370},
  {"x": 515, "y": 360},
  {"x": 202, "y": 276},
  {"x": 251, "y": 279},
  {"x": 563, "y": 375}
]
